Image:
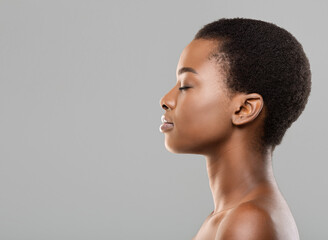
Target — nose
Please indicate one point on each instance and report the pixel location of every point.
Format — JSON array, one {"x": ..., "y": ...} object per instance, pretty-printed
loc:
[
  {"x": 163, "y": 104},
  {"x": 168, "y": 101}
]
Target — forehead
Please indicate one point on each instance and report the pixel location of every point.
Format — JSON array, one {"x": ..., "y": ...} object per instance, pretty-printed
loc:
[{"x": 196, "y": 54}]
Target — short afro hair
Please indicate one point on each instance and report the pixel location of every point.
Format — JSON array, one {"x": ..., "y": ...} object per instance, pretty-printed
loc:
[{"x": 265, "y": 59}]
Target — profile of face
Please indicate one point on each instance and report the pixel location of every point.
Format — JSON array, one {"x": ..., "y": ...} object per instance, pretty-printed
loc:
[{"x": 201, "y": 113}]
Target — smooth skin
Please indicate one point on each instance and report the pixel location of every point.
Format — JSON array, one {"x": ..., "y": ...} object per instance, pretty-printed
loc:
[{"x": 247, "y": 202}]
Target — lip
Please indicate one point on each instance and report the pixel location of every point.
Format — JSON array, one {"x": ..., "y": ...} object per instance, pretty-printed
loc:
[
  {"x": 165, "y": 119},
  {"x": 166, "y": 127}
]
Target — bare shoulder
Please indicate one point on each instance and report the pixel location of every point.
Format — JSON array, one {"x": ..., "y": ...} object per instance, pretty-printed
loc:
[{"x": 248, "y": 221}]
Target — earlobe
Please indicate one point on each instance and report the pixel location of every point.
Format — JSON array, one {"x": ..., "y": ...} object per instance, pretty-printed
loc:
[{"x": 249, "y": 108}]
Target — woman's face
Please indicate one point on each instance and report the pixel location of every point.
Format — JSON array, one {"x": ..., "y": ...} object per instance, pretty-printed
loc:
[{"x": 201, "y": 113}]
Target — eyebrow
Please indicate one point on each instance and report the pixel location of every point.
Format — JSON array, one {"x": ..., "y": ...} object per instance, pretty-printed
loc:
[{"x": 186, "y": 69}]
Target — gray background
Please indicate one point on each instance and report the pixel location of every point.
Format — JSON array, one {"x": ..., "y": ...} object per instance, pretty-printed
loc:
[{"x": 81, "y": 154}]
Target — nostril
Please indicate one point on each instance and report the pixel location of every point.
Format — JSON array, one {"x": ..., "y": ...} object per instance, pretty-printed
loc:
[{"x": 164, "y": 106}]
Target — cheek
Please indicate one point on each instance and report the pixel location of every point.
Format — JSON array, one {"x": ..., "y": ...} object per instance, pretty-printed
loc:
[
  {"x": 213, "y": 120},
  {"x": 206, "y": 119}
]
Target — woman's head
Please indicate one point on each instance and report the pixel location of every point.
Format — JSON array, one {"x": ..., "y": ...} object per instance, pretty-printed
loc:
[
  {"x": 204, "y": 114},
  {"x": 249, "y": 80}
]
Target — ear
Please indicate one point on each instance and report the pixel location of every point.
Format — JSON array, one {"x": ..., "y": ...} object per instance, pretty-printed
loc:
[{"x": 247, "y": 108}]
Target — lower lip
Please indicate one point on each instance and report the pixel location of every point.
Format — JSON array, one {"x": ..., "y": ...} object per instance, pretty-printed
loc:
[{"x": 166, "y": 127}]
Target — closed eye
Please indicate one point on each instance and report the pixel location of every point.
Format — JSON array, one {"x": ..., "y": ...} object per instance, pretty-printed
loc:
[{"x": 183, "y": 88}]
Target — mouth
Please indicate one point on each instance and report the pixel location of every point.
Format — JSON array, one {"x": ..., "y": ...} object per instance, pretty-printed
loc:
[
  {"x": 166, "y": 126},
  {"x": 165, "y": 120}
]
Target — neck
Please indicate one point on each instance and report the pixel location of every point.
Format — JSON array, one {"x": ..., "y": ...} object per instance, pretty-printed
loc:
[{"x": 236, "y": 172}]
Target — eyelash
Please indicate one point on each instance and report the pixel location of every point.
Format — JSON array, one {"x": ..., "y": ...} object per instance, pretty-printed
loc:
[{"x": 183, "y": 88}]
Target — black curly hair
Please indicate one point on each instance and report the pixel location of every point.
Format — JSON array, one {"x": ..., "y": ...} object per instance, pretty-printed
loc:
[{"x": 260, "y": 57}]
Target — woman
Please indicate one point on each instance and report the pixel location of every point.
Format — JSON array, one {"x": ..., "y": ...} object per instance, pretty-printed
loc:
[{"x": 241, "y": 83}]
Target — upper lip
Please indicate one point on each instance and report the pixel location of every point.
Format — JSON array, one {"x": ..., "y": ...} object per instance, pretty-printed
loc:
[{"x": 165, "y": 119}]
